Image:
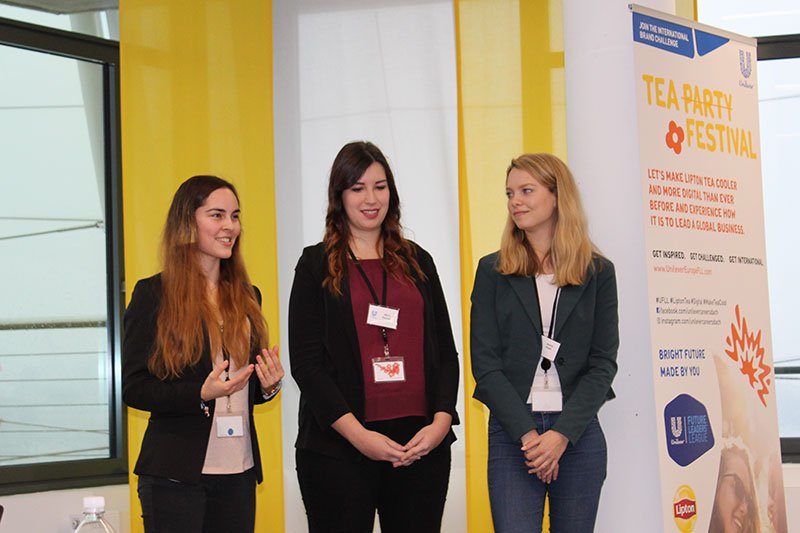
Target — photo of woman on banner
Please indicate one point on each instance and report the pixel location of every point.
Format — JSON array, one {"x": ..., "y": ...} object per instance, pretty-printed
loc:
[
  {"x": 735, "y": 501},
  {"x": 373, "y": 354},
  {"x": 749, "y": 491},
  {"x": 544, "y": 339}
]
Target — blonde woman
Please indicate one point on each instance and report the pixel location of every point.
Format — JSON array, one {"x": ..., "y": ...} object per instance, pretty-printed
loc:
[
  {"x": 544, "y": 338},
  {"x": 195, "y": 357}
]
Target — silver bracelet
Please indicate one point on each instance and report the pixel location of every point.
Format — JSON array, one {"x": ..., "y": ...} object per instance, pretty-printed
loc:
[{"x": 272, "y": 392}]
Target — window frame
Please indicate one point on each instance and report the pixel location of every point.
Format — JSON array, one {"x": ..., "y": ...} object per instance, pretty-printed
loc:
[
  {"x": 35, "y": 477},
  {"x": 771, "y": 48}
]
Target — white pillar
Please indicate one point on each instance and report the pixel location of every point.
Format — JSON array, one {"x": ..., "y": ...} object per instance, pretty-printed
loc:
[{"x": 603, "y": 154}]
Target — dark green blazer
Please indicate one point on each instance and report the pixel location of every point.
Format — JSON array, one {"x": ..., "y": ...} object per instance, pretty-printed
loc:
[{"x": 506, "y": 345}]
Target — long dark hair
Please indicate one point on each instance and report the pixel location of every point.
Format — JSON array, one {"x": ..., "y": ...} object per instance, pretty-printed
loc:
[
  {"x": 399, "y": 255},
  {"x": 185, "y": 311}
]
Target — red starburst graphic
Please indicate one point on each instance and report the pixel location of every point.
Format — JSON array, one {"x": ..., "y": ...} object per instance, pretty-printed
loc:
[{"x": 744, "y": 347}]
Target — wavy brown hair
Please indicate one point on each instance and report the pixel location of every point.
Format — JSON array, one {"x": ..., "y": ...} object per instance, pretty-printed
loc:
[
  {"x": 186, "y": 315},
  {"x": 571, "y": 251},
  {"x": 399, "y": 255}
]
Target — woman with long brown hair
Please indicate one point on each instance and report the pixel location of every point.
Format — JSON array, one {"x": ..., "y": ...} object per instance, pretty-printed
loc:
[
  {"x": 195, "y": 357},
  {"x": 373, "y": 354},
  {"x": 543, "y": 340}
]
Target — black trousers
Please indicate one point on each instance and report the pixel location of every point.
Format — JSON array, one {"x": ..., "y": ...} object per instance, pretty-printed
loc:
[
  {"x": 343, "y": 495},
  {"x": 219, "y": 503}
]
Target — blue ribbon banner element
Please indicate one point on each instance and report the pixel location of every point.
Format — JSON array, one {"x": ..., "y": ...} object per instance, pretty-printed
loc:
[
  {"x": 708, "y": 42},
  {"x": 668, "y": 36}
]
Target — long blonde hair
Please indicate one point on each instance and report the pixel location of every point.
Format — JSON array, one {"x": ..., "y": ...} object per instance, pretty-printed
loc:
[
  {"x": 571, "y": 251},
  {"x": 186, "y": 315}
]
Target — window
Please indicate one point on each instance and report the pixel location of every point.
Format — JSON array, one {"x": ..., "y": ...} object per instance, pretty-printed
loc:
[
  {"x": 779, "y": 108},
  {"x": 61, "y": 422},
  {"x": 779, "y": 111}
]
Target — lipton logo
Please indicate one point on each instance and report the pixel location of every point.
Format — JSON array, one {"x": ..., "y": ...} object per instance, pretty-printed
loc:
[{"x": 684, "y": 508}]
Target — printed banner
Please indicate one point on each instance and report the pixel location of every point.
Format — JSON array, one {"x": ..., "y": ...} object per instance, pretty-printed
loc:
[{"x": 700, "y": 161}]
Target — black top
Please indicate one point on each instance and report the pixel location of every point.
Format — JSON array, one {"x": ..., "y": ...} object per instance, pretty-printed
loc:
[
  {"x": 176, "y": 439},
  {"x": 326, "y": 360}
]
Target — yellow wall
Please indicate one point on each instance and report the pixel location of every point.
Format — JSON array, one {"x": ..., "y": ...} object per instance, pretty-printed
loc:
[
  {"x": 197, "y": 99},
  {"x": 686, "y": 9},
  {"x": 511, "y": 100}
]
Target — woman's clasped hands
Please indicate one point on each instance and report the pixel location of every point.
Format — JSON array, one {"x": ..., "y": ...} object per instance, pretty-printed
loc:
[
  {"x": 379, "y": 447},
  {"x": 542, "y": 453}
]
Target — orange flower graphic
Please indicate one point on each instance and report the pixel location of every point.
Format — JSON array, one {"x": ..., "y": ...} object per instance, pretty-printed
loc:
[
  {"x": 674, "y": 137},
  {"x": 745, "y": 348}
]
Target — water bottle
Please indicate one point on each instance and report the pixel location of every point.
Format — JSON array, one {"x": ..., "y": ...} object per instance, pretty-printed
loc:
[{"x": 94, "y": 507}]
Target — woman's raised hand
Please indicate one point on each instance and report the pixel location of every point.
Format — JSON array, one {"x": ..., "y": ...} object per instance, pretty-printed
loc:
[
  {"x": 216, "y": 386},
  {"x": 269, "y": 370}
]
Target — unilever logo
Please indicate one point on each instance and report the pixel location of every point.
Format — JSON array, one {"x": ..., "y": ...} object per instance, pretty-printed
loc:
[
  {"x": 746, "y": 68},
  {"x": 688, "y": 430},
  {"x": 676, "y": 425},
  {"x": 745, "y": 63}
]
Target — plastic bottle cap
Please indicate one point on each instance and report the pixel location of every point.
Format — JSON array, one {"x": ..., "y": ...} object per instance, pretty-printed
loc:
[{"x": 94, "y": 504}]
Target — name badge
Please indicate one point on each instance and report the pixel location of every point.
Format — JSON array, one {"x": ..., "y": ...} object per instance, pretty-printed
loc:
[
  {"x": 545, "y": 395},
  {"x": 549, "y": 348},
  {"x": 230, "y": 426},
  {"x": 388, "y": 369},
  {"x": 384, "y": 317},
  {"x": 548, "y": 401}
]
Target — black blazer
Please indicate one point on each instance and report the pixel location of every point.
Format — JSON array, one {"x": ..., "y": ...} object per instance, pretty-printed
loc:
[
  {"x": 506, "y": 345},
  {"x": 176, "y": 439},
  {"x": 326, "y": 359}
]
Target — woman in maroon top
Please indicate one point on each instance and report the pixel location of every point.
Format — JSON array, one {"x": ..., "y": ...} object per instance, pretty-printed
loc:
[{"x": 373, "y": 354}]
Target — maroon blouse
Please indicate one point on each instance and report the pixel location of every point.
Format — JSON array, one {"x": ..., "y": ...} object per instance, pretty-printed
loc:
[{"x": 389, "y": 400}]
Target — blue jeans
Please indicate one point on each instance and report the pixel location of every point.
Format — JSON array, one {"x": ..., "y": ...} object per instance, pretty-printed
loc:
[{"x": 517, "y": 497}]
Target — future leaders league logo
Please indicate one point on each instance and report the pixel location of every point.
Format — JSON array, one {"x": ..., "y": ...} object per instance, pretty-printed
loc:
[
  {"x": 744, "y": 348},
  {"x": 684, "y": 508},
  {"x": 688, "y": 429}
]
